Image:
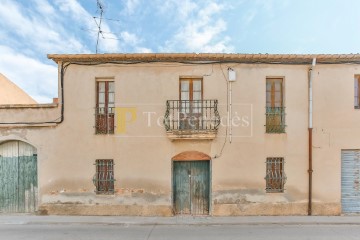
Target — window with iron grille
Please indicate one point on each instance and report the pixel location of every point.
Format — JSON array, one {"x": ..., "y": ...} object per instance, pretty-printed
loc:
[
  {"x": 275, "y": 175},
  {"x": 357, "y": 91},
  {"x": 105, "y": 107},
  {"x": 275, "y": 111},
  {"x": 104, "y": 176}
]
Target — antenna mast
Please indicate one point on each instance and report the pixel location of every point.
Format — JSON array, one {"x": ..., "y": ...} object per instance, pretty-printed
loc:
[{"x": 101, "y": 8}]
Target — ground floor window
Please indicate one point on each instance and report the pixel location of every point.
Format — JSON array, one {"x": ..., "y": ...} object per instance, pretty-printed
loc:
[
  {"x": 104, "y": 176},
  {"x": 275, "y": 175}
]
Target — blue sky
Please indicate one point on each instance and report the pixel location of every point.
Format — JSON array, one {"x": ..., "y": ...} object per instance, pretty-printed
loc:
[{"x": 30, "y": 29}]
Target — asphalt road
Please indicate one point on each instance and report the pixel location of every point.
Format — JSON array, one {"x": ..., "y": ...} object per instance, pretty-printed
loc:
[{"x": 188, "y": 232}]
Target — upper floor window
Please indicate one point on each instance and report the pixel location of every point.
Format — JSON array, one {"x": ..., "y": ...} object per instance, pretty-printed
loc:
[
  {"x": 275, "y": 112},
  {"x": 191, "y": 89},
  {"x": 105, "y": 107},
  {"x": 191, "y": 95},
  {"x": 356, "y": 91}
]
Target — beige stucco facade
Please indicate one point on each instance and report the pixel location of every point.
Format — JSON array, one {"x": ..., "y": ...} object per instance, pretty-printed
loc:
[
  {"x": 142, "y": 150},
  {"x": 12, "y": 94}
]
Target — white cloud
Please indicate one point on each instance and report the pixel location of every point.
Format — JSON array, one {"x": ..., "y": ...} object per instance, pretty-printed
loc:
[
  {"x": 201, "y": 32},
  {"x": 45, "y": 8},
  {"x": 74, "y": 10},
  {"x": 34, "y": 29},
  {"x": 131, "y": 5},
  {"x": 108, "y": 41},
  {"x": 28, "y": 33},
  {"x": 129, "y": 38},
  {"x": 143, "y": 50},
  {"x": 179, "y": 9},
  {"x": 212, "y": 8},
  {"x": 39, "y": 80}
]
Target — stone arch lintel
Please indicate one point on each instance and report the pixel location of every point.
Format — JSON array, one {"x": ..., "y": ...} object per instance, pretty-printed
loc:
[{"x": 191, "y": 156}]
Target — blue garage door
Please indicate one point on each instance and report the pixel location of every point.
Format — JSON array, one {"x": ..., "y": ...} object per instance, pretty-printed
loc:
[{"x": 350, "y": 181}]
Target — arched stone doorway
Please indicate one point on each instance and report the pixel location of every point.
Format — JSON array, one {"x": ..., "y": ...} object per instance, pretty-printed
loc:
[
  {"x": 191, "y": 183},
  {"x": 18, "y": 177}
]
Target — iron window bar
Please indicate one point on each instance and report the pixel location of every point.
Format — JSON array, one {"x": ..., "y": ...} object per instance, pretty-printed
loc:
[
  {"x": 275, "y": 175},
  {"x": 104, "y": 176},
  {"x": 275, "y": 120}
]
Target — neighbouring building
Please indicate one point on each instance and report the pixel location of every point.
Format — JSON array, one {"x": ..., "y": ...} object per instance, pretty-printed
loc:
[
  {"x": 200, "y": 134},
  {"x": 12, "y": 94}
]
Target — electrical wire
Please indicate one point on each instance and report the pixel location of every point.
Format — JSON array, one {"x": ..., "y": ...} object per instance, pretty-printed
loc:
[
  {"x": 62, "y": 73},
  {"x": 196, "y": 62},
  {"x": 212, "y": 71},
  {"x": 227, "y": 108},
  {"x": 126, "y": 63}
]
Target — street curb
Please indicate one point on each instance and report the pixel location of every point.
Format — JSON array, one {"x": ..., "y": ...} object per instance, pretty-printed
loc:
[
  {"x": 202, "y": 224},
  {"x": 180, "y": 224},
  {"x": 178, "y": 221}
]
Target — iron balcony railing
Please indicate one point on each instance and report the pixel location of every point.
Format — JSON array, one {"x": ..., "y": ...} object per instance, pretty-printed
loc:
[
  {"x": 191, "y": 115},
  {"x": 275, "y": 120},
  {"x": 104, "y": 120}
]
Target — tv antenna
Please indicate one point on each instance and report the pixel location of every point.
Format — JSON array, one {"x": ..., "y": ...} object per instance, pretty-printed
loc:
[
  {"x": 98, "y": 30},
  {"x": 101, "y": 8}
]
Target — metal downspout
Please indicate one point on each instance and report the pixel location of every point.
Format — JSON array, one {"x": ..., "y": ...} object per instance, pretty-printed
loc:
[
  {"x": 310, "y": 170},
  {"x": 230, "y": 112}
]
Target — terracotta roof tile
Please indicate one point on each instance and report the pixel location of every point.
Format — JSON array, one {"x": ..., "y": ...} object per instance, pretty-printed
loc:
[{"x": 174, "y": 57}]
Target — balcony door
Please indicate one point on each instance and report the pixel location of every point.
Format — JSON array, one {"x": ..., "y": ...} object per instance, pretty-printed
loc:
[
  {"x": 191, "y": 95},
  {"x": 105, "y": 107}
]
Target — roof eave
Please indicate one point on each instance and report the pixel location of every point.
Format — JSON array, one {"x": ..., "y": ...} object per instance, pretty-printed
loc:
[{"x": 201, "y": 57}]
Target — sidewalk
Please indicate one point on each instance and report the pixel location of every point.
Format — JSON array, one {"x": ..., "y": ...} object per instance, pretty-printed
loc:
[{"x": 181, "y": 220}]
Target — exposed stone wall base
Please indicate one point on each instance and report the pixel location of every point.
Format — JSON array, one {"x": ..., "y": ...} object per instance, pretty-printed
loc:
[
  {"x": 253, "y": 209},
  {"x": 326, "y": 209},
  {"x": 275, "y": 209},
  {"x": 105, "y": 210}
]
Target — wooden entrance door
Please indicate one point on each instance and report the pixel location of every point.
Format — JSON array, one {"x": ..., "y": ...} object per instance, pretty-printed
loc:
[
  {"x": 191, "y": 187},
  {"x": 18, "y": 178}
]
